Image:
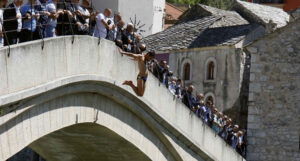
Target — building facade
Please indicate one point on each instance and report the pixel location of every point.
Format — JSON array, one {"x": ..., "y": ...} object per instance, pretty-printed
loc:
[
  {"x": 205, "y": 49},
  {"x": 214, "y": 71}
]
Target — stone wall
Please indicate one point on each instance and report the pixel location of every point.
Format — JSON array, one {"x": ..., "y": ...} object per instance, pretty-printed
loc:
[
  {"x": 229, "y": 63},
  {"x": 274, "y": 98}
]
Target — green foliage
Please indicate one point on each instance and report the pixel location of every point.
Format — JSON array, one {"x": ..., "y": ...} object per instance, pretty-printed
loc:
[{"x": 222, "y": 4}]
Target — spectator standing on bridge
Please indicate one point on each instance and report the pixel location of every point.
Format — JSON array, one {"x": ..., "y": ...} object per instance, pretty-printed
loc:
[
  {"x": 231, "y": 132},
  {"x": 128, "y": 38},
  {"x": 112, "y": 34},
  {"x": 65, "y": 23},
  {"x": 142, "y": 60},
  {"x": 172, "y": 86},
  {"x": 201, "y": 110},
  {"x": 30, "y": 17},
  {"x": 12, "y": 24},
  {"x": 42, "y": 21},
  {"x": 188, "y": 98},
  {"x": 178, "y": 88},
  {"x": 2, "y": 5},
  {"x": 101, "y": 24},
  {"x": 241, "y": 147},
  {"x": 111, "y": 30},
  {"x": 199, "y": 98},
  {"x": 208, "y": 113},
  {"x": 92, "y": 20},
  {"x": 160, "y": 70},
  {"x": 120, "y": 29},
  {"x": 83, "y": 17},
  {"x": 53, "y": 14}
]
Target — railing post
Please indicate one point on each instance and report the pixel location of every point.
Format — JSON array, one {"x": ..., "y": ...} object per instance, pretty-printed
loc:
[
  {"x": 6, "y": 38},
  {"x": 70, "y": 24}
]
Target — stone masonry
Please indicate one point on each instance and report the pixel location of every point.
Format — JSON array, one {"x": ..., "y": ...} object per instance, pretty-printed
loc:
[{"x": 274, "y": 98}]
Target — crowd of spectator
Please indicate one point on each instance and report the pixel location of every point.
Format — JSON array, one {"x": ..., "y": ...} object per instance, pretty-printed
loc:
[
  {"x": 221, "y": 124},
  {"x": 40, "y": 19},
  {"x": 50, "y": 18}
]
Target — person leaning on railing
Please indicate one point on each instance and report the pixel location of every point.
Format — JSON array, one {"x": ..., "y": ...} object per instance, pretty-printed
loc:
[
  {"x": 12, "y": 22},
  {"x": 65, "y": 21},
  {"x": 221, "y": 124},
  {"x": 2, "y": 6},
  {"x": 83, "y": 17},
  {"x": 29, "y": 23},
  {"x": 53, "y": 14},
  {"x": 42, "y": 21},
  {"x": 102, "y": 24}
]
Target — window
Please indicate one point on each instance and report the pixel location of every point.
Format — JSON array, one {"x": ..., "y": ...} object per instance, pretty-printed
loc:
[
  {"x": 210, "y": 99},
  {"x": 210, "y": 71},
  {"x": 187, "y": 71}
]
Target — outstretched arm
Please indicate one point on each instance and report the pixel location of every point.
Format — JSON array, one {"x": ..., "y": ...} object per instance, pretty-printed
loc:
[{"x": 134, "y": 56}]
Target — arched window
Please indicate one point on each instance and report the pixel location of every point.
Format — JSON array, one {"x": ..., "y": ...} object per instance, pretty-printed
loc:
[
  {"x": 210, "y": 71},
  {"x": 210, "y": 99},
  {"x": 187, "y": 71}
]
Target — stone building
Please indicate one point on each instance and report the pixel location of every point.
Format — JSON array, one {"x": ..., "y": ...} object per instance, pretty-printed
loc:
[
  {"x": 274, "y": 99},
  {"x": 205, "y": 49}
]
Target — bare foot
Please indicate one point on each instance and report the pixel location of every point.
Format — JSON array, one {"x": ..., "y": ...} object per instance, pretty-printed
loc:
[{"x": 127, "y": 83}]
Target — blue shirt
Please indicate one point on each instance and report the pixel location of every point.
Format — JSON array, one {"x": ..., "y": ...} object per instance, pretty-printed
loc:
[
  {"x": 208, "y": 114},
  {"x": 51, "y": 7},
  {"x": 29, "y": 24}
]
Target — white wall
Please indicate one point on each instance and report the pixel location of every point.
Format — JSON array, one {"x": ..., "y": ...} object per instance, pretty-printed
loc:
[
  {"x": 100, "y": 5},
  {"x": 143, "y": 9},
  {"x": 149, "y": 12},
  {"x": 158, "y": 19}
]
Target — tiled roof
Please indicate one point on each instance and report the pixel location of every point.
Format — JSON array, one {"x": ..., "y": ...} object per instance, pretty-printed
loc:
[
  {"x": 295, "y": 14},
  {"x": 229, "y": 18},
  {"x": 202, "y": 26},
  {"x": 180, "y": 36},
  {"x": 223, "y": 36},
  {"x": 261, "y": 14}
]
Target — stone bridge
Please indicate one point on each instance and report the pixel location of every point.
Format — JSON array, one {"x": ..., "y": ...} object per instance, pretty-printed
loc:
[{"x": 66, "y": 102}]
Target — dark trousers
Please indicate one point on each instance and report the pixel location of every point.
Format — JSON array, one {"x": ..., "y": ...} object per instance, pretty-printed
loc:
[
  {"x": 11, "y": 38},
  {"x": 39, "y": 33},
  {"x": 27, "y": 35}
]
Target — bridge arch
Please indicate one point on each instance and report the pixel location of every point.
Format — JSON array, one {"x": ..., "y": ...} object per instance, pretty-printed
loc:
[{"x": 43, "y": 117}]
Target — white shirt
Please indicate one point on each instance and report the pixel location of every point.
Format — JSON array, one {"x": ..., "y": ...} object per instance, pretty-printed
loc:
[
  {"x": 85, "y": 12},
  {"x": 1, "y": 22},
  {"x": 100, "y": 30},
  {"x": 1, "y": 19},
  {"x": 18, "y": 14}
]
